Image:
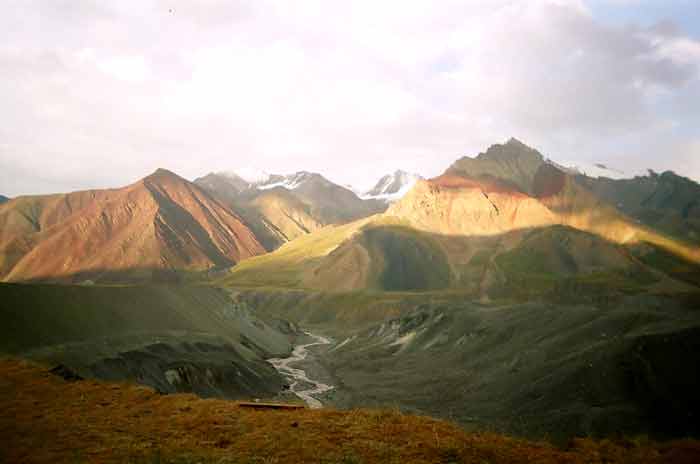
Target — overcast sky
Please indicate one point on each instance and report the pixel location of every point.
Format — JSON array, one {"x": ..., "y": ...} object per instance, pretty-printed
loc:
[{"x": 98, "y": 93}]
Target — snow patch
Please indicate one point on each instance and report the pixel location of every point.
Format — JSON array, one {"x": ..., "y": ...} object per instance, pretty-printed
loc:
[
  {"x": 597, "y": 170},
  {"x": 290, "y": 182},
  {"x": 250, "y": 175},
  {"x": 392, "y": 187}
]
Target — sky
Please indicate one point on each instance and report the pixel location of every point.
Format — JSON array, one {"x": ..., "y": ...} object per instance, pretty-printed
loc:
[{"x": 98, "y": 94}]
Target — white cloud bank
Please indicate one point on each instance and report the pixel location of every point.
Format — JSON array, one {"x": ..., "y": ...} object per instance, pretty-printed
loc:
[{"x": 96, "y": 95}]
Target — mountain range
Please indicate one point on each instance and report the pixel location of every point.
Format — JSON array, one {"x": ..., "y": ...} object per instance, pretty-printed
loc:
[
  {"x": 488, "y": 225},
  {"x": 477, "y": 227}
]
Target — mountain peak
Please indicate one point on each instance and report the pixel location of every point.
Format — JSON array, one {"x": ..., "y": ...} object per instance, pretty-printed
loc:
[
  {"x": 515, "y": 142},
  {"x": 163, "y": 173},
  {"x": 512, "y": 162},
  {"x": 513, "y": 149},
  {"x": 392, "y": 187},
  {"x": 163, "y": 178},
  {"x": 306, "y": 175}
]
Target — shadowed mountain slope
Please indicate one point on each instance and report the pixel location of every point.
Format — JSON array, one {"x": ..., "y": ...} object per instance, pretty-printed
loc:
[
  {"x": 333, "y": 203},
  {"x": 534, "y": 369},
  {"x": 667, "y": 201},
  {"x": 160, "y": 222},
  {"x": 285, "y": 214},
  {"x": 173, "y": 338}
]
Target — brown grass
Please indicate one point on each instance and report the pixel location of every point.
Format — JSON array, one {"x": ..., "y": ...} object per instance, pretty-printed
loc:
[{"x": 46, "y": 419}]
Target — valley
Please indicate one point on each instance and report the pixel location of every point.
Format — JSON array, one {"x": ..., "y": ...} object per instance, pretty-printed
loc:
[
  {"x": 507, "y": 294},
  {"x": 544, "y": 370}
]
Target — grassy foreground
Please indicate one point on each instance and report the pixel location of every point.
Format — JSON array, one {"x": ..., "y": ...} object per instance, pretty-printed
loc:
[{"x": 46, "y": 419}]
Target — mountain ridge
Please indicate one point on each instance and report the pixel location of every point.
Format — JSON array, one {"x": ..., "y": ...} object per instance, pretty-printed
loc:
[{"x": 159, "y": 222}]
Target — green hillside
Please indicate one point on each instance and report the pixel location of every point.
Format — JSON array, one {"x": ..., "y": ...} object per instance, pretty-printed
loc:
[{"x": 195, "y": 335}]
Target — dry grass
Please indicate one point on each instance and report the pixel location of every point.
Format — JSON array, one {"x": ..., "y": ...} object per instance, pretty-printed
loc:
[{"x": 45, "y": 419}]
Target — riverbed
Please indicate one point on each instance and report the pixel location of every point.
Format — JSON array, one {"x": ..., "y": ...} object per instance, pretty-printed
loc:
[{"x": 301, "y": 385}]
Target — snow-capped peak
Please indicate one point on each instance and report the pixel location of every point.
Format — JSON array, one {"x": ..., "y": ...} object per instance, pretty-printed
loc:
[
  {"x": 594, "y": 170},
  {"x": 290, "y": 182},
  {"x": 392, "y": 187}
]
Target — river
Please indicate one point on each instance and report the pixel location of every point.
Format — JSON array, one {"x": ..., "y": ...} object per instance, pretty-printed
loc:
[{"x": 301, "y": 385}]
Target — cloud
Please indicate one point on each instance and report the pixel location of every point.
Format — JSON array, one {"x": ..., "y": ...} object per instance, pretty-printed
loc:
[
  {"x": 349, "y": 88},
  {"x": 132, "y": 68}
]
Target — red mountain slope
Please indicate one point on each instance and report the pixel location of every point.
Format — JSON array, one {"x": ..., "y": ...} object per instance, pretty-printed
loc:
[{"x": 160, "y": 222}]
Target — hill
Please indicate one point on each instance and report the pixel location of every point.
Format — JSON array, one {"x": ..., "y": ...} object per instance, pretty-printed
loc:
[
  {"x": 161, "y": 222},
  {"x": 3, "y": 199},
  {"x": 56, "y": 421},
  {"x": 172, "y": 338},
  {"x": 532, "y": 369}
]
